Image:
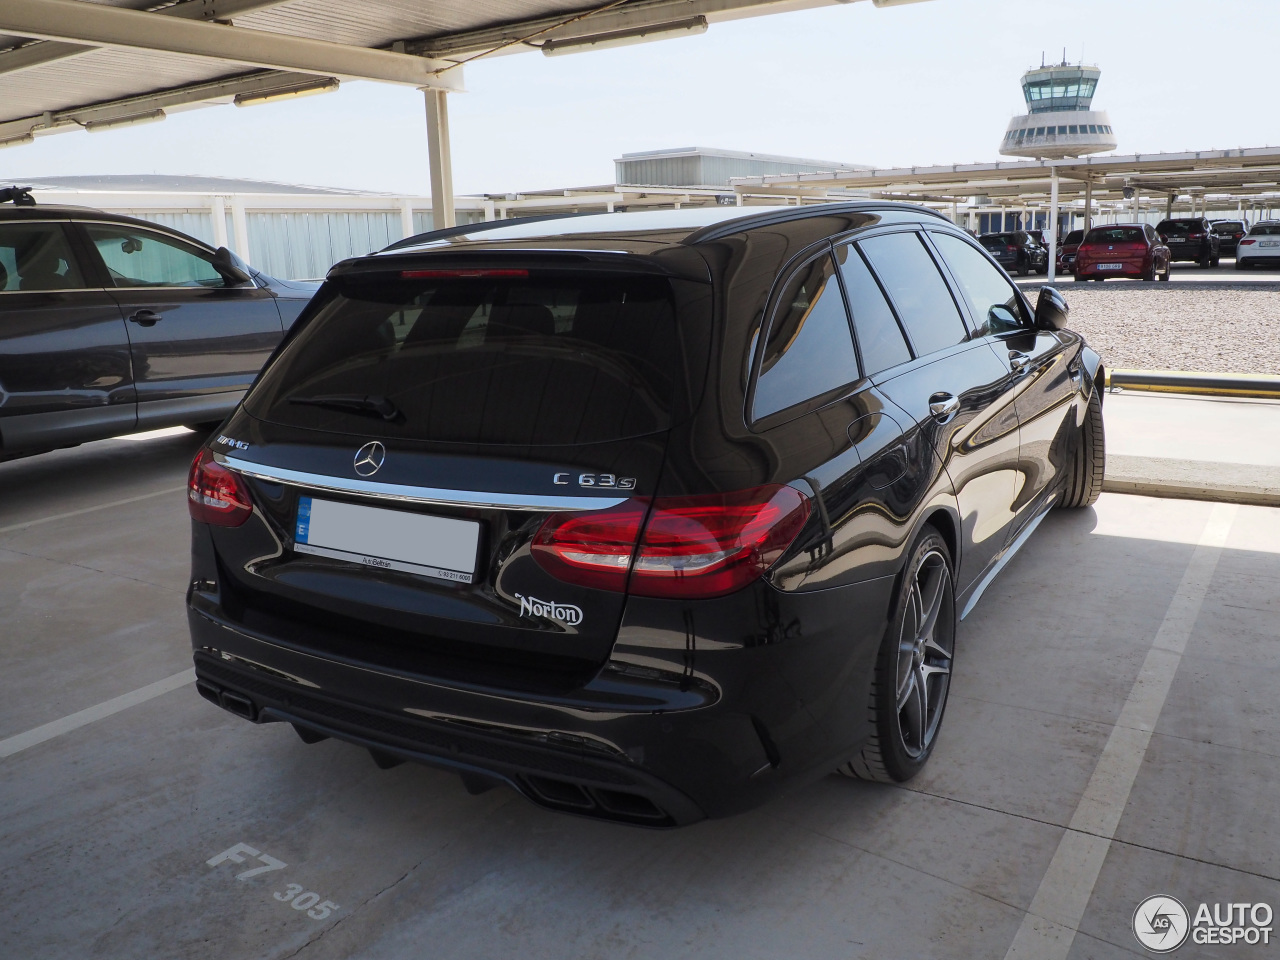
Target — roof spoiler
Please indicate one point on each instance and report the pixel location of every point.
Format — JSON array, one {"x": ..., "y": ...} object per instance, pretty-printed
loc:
[
  {"x": 19, "y": 196},
  {"x": 445, "y": 232}
]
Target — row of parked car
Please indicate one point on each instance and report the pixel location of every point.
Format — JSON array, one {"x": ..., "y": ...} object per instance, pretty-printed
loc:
[{"x": 1138, "y": 250}]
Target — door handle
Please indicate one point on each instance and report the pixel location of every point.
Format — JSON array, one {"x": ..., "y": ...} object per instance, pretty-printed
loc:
[
  {"x": 1018, "y": 361},
  {"x": 943, "y": 406},
  {"x": 146, "y": 318}
]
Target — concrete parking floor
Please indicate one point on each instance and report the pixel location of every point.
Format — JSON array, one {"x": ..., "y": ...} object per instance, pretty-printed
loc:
[{"x": 1113, "y": 733}]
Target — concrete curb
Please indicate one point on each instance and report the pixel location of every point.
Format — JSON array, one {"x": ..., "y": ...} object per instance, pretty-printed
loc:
[
  {"x": 1210, "y": 384},
  {"x": 1193, "y": 480}
]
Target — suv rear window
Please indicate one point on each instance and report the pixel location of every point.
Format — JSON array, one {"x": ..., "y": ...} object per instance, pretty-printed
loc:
[
  {"x": 1228, "y": 226},
  {"x": 1075, "y": 236},
  {"x": 1180, "y": 227},
  {"x": 518, "y": 359}
]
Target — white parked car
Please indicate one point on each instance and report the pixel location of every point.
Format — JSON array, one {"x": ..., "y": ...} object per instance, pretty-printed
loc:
[{"x": 1261, "y": 246}]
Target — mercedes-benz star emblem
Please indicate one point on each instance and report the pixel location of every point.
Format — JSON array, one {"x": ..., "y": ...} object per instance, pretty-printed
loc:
[{"x": 369, "y": 458}]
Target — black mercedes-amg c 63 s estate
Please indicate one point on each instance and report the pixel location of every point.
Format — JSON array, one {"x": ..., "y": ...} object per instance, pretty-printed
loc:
[{"x": 648, "y": 516}]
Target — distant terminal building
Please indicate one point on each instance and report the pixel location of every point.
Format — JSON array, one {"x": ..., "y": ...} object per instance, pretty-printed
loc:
[
  {"x": 705, "y": 167},
  {"x": 1058, "y": 122}
]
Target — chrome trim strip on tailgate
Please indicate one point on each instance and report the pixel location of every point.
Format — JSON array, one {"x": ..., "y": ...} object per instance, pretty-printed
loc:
[{"x": 407, "y": 494}]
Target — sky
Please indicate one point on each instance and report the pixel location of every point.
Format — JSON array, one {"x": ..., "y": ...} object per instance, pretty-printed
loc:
[{"x": 925, "y": 83}]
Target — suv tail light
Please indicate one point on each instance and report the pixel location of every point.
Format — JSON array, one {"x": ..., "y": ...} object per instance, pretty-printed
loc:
[
  {"x": 215, "y": 494},
  {"x": 1195, "y": 236},
  {"x": 702, "y": 546}
]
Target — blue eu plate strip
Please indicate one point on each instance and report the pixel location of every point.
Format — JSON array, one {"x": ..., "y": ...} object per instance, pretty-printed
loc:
[{"x": 304, "y": 520}]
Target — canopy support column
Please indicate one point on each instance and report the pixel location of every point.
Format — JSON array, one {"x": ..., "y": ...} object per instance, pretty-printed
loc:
[
  {"x": 1053, "y": 224},
  {"x": 240, "y": 228},
  {"x": 439, "y": 158},
  {"x": 218, "y": 210}
]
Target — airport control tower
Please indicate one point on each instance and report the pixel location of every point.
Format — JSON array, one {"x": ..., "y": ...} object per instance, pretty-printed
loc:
[{"x": 1058, "y": 122}]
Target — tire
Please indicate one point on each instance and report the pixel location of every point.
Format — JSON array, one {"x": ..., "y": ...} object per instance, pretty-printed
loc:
[
  {"x": 1023, "y": 269},
  {"x": 1168, "y": 272},
  {"x": 900, "y": 744},
  {"x": 1240, "y": 265},
  {"x": 1149, "y": 274},
  {"x": 1089, "y": 459}
]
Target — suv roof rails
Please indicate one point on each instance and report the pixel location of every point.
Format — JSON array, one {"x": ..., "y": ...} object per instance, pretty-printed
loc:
[
  {"x": 20, "y": 196},
  {"x": 446, "y": 232}
]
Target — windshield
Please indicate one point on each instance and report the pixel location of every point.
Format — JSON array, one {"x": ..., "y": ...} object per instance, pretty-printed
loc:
[
  {"x": 513, "y": 359},
  {"x": 1228, "y": 226},
  {"x": 1266, "y": 230},
  {"x": 1179, "y": 228},
  {"x": 1075, "y": 236},
  {"x": 1116, "y": 235}
]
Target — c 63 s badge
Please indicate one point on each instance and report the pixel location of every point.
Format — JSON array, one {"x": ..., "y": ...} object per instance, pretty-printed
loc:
[
  {"x": 606, "y": 480},
  {"x": 565, "y": 613}
]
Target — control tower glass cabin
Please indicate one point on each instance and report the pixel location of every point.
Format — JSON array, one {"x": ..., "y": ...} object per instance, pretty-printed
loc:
[{"x": 1058, "y": 122}]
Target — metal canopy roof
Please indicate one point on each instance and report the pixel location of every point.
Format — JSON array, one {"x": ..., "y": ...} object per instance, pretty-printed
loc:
[
  {"x": 1235, "y": 173},
  {"x": 67, "y": 64}
]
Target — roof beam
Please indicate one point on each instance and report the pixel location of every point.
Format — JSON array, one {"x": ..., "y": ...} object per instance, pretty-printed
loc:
[
  {"x": 50, "y": 51},
  {"x": 96, "y": 24}
]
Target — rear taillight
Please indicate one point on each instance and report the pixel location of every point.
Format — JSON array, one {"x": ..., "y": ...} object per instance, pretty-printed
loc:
[
  {"x": 1245, "y": 243},
  {"x": 702, "y": 546},
  {"x": 1011, "y": 249},
  {"x": 462, "y": 274},
  {"x": 215, "y": 494},
  {"x": 1195, "y": 236}
]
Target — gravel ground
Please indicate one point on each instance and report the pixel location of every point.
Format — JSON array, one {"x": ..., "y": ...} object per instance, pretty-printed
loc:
[{"x": 1162, "y": 327}]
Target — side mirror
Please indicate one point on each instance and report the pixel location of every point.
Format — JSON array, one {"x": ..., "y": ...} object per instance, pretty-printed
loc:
[
  {"x": 1051, "y": 310},
  {"x": 230, "y": 266}
]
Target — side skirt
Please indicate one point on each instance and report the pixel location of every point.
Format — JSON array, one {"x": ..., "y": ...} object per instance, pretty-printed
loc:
[{"x": 1005, "y": 557}]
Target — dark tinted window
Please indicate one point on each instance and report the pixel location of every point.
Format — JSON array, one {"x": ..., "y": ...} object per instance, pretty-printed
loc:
[
  {"x": 917, "y": 289},
  {"x": 36, "y": 256},
  {"x": 1228, "y": 227},
  {"x": 1115, "y": 235},
  {"x": 880, "y": 339},
  {"x": 1075, "y": 236},
  {"x": 1266, "y": 230},
  {"x": 810, "y": 348},
  {"x": 995, "y": 303},
  {"x": 523, "y": 360},
  {"x": 1180, "y": 227}
]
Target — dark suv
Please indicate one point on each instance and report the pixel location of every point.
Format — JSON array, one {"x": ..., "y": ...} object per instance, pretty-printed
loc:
[
  {"x": 1191, "y": 238},
  {"x": 1229, "y": 233},
  {"x": 1017, "y": 251},
  {"x": 110, "y": 325},
  {"x": 645, "y": 515}
]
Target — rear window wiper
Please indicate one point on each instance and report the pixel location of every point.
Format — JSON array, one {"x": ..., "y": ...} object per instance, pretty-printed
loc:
[{"x": 369, "y": 405}]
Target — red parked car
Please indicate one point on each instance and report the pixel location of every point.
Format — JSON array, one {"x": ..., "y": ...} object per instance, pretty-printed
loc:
[
  {"x": 1122, "y": 250},
  {"x": 1067, "y": 251}
]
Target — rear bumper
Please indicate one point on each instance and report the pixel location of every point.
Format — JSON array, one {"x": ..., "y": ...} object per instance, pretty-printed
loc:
[
  {"x": 1129, "y": 269},
  {"x": 773, "y": 715}
]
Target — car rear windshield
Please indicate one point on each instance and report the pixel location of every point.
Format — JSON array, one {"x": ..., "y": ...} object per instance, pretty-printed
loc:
[
  {"x": 1266, "y": 230},
  {"x": 1075, "y": 236},
  {"x": 513, "y": 359},
  {"x": 998, "y": 240},
  {"x": 1228, "y": 226},
  {"x": 1181, "y": 227},
  {"x": 1116, "y": 235}
]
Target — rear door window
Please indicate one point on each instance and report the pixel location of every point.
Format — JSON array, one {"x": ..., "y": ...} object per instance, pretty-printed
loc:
[
  {"x": 520, "y": 358},
  {"x": 35, "y": 257},
  {"x": 140, "y": 258},
  {"x": 995, "y": 303},
  {"x": 880, "y": 339},
  {"x": 917, "y": 290},
  {"x": 809, "y": 350}
]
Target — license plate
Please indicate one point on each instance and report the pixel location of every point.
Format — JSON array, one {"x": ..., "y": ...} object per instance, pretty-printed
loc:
[
  {"x": 1269, "y": 243},
  {"x": 1111, "y": 266},
  {"x": 439, "y": 547},
  {"x": 1176, "y": 240}
]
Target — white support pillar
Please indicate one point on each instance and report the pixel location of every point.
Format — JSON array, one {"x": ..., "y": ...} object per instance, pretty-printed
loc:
[
  {"x": 442, "y": 214},
  {"x": 488, "y": 211},
  {"x": 1136, "y": 194},
  {"x": 406, "y": 219},
  {"x": 240, "y": 229},
  {"x": 1053, "y": 224},
  {"x": 218, "y": 210}
]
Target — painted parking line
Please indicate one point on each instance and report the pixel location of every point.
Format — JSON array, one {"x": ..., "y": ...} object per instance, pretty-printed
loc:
[
  {"x": 56, "y": 728},
  {"x": 1049, "y": 926},
  {"x": 81, "y": 512}
]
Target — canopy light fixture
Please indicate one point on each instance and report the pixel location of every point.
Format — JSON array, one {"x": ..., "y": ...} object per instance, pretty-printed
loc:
[
  {"x": 18, "y": 141},
  {"x": 691, "y": 26},
  {"x": 286, "y": 93},
  {"x": 151, "y": 116}
]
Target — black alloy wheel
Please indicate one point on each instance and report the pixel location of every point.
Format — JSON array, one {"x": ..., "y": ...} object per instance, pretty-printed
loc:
[
  {"x": 913, "y": 669},
  {"x": 1023, "y": 269}
]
